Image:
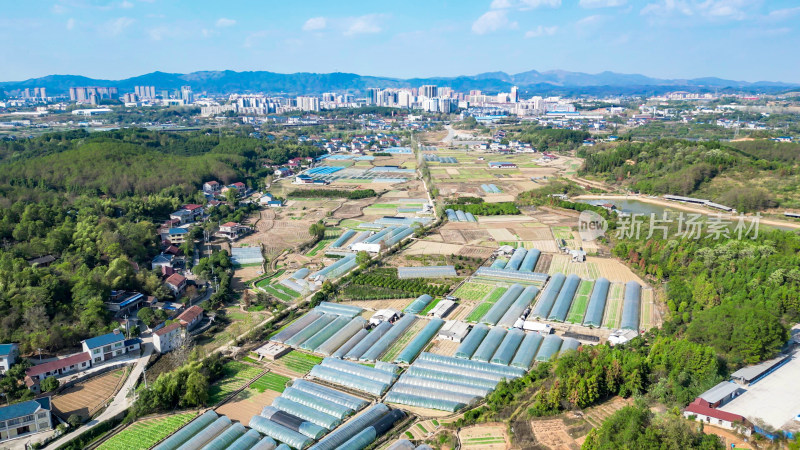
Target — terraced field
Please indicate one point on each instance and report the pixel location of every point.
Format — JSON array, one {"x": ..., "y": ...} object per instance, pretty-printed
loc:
[
  {"x": 270, "y": 381},
  {"x": 237, "y": 374},
  {"x": 473, "y": 291},
  {"x": 146, "y": 433},
  {"x": 581, "y": 301},
  {"x": 299, "y": 362},
  {"x": 613, "y": 315}
]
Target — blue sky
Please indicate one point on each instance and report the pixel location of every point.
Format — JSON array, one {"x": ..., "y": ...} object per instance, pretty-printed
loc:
[{"x": 738, "y": 39}]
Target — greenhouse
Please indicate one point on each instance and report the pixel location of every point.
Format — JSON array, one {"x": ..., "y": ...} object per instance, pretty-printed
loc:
[
  {"x": 509, "y": 372},
  {"x": 320, "y": 404},
  {"x": 418, "y": 305},
  {"x": 249, "y": 440},
  {"x": 470, "y": 217},
  {"x": 387, "y": 367},
  {"x": 283, "y": 446},
  {"x": 499, "y": 264},
  {"x": 597, "y": 304},
  {"x": 527, "y": 351},
  {"x": 352, "y": 428},
  {"x": 362, "y": 236},
  {"x": 300, "y": 274},
  {"x": 440, "y": 373},
  {"x": 347, "y": 346},
  {"x": 529, "y": 263},
  {"x": 339, "y": 267},
  {"x": 206, "y": 434},
  {"x": 186, "y": 433},
  {"x": 466, "y": 374},
  {"x": 339, "y": 243},
  {"x": 399, "y": 236},
  {"x": 500, "y": 307},
  {"x": 461, "y": 216},
  {"x": 549, "y": 348},
  {"x": 335, "y": 376},
  {"x": 516, "y": 259},
  {"x": 359, "y": 370},
  {"x": 377, "y": 237},
  {"x": 368, "y": 435},
  {"x": 379, "y": 348},
  {"x": 467, "y": 348},
  {"x": 405, "y": 273},
  {"x": 528, "y": 277},
  {"x": 402, "y": 444},
  {"x": 631, "y": 305},
  {"x": 451, "y": 215},
  {"x": 329, "y": 394},
  {"x": 454, "y": 386},
  {"x": 518, "y": 307},
  {"x": 489, "y": 345},
  {"x": 280, "y": 433},
  {"x": 564, "y": 299},
  {"x": 304, "y": 412},
  {"x": 226, "y": 438},
  {"x": 548, "y": 297},
  {"x": 419, "y": 342},
  {"x": 324, "y": 334},
  {"x": 568, "y": 344},
  {"x": 267, "y": 443},
  {"x": 423, "y": 402},
  {"x": 368, "y": 341},
  {"x": 293, "y": 422},
  {"x": 310, "y": 330},
  {"x": 341, "y": 335},
  {"x": 296, "y": 326},
  {"x": 433, "y": 394},
  {"x": 508, "y": 348},
  {"x": 338, "y": 308}
]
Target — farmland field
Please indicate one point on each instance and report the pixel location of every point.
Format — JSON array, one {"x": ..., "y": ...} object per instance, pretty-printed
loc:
[
  {"x": 237, "y": 374},
  {"x": 479, "y": 311},
  {"x": 146, "y": 433},
  {"x": 320, "y": 245},
  {"x": 649, "y": 319},
  {"x": 86, "y": 397},
  {"x": 430, "y": 306},
  {"x": 281, "y": 292},
  {"x": 299, "y": 362},
  {"x": 496, "y": 294},
  {"x": 401, "y": 343},
  {"x": 473, "y": 291},
  {"x": 613, "y": 314},
  {"x": 562, "y": 233},
  {"x": 581, "y": 301},
  {"x": 270, "y": 381}
]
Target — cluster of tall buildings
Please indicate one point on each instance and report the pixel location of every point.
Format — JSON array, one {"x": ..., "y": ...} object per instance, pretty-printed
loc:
[
  {"x": 34, "y": 94},
  {"x": 428, "y": 97},
  {"x": 92, "y": 94}
]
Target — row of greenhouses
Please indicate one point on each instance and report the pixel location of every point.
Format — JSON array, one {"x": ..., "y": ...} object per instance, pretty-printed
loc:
[
  {"x": 510, "y": 306},
  {"x": 446, "y": 383},
  {"x": 521, "y": 260},
  {"x": 505, "y": 347},
  {"x": 459, "y": 216},
  {"x": 210, "y": 431},
  {"x": 372, "y": 380},
  {"x": 308, "y": 412}
]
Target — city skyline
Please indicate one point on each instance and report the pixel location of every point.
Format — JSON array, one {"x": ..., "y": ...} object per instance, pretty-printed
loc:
[{"x": 749, "y": 41}]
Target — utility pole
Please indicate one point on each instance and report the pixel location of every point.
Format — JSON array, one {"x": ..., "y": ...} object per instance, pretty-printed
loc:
[
  {"x": 40, "y": 354},
  {"x": 127, "y": 329}
]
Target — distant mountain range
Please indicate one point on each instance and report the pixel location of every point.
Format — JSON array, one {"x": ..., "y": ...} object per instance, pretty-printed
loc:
[{"x": 531, "y": 82}]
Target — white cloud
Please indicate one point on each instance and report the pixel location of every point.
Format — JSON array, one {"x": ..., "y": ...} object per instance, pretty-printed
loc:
[
  {"x": 590, "y": 20},
  {"x": 70, "y": 23},
  {"x": 58, "y": 9},
  {"x": 366, "y": 24},
  {"x": 207, "y": 32},
  {"x": 255, "y": 38},
  {"x": 780, "y": 14},
  {"x": 491, "y": 21},
  {"x": 223, "y": 22},
  {"x": 524, "y": 5},
  {"x": 315, "y": 24},
  {"x": 117, "y": 26},
  {"x": 601, "y": 3},
  {"x": 541, "y": 31},
  {"x": 126, "y": 4},
  {"x": 709, "y": 9}
]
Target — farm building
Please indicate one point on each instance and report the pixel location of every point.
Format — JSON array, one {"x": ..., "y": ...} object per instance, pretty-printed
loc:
[
  {"x": 750, "y": 374},
  {"x": 701, "y": 411},
  {"x": 22, "y": 419},
  {"x": 272, "y": 351},
  {"x": 502, "y": 165},
  {"x": 60, "y": 367},
  {"x": 442, "y": 308},
  {"x": 454, "y": 330}
]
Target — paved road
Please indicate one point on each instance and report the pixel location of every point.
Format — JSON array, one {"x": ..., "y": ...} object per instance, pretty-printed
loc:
[
  {"x": 121, "y": 401},
  {"x": 451, "y": 133}
]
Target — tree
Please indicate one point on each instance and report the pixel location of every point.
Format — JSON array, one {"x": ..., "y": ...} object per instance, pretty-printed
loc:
[
  {"x": 50, "y": 384},
  {"x": 362, "y": 258},
  {"x": 317, "y": 230},
  {"x": 74, "y": 420},
  {"x": 147, "y": 316},
  {"x": 196, "y": 390},
  {"x": 232, "y": 196}
]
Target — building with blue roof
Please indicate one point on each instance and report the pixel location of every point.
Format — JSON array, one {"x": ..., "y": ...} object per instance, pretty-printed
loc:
[
  {"x": 8, "y": 356},
  {"x": 105, "y": 347},
  {"x": 22, "y": 419}
]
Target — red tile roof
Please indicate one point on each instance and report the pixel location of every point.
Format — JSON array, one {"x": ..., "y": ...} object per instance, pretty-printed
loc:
[
  {"x": 212, "y": 183},
  {"x": 58, "y": 364},
  {"x": 700, "y": 406},
  {"x": 168, "y": 328},
  {"x": 238, "y": 184},
  {"x": 192, "y": 207},
  {"x": 176, "y": 279},
  {"x": 190, "y": 314},
  {"x": 230, "y": 224}
]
